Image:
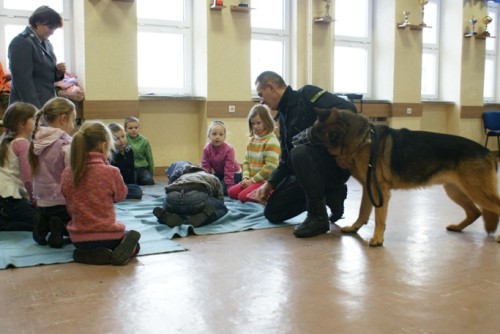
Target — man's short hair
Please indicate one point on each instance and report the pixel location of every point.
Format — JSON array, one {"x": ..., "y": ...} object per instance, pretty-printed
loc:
[{"x": 270, "y": 76}]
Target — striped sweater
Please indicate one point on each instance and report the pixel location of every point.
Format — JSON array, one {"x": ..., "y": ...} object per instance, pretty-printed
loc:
[{"x": 262, "y": 157}]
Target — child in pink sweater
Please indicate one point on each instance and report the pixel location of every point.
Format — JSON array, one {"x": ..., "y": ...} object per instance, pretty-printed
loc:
[
  {"x": 91, "y": 186},
  {"x": 218, "y": 157}
]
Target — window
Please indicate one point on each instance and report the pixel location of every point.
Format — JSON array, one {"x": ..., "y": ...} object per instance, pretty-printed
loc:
[
  {"x": 14, "y": 15},
  {"x": 352, "y": 48},
  {"x": 430, "y": 52},
  {"x": 490, "y": 65},
  {"x": 164, "y": 47},
  {"x": 270, "y": 45}
]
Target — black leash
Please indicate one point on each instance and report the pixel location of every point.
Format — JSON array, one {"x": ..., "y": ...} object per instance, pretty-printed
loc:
[{"x": 372, "y": 165}]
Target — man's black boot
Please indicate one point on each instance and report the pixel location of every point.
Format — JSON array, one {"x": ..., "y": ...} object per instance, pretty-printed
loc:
[
  {"x": 335, "y": 201},
  {"x": 316, "y": 222}
]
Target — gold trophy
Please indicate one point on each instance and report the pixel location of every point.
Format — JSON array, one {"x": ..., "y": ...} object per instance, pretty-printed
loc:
[{"x": 486, "y": 20}]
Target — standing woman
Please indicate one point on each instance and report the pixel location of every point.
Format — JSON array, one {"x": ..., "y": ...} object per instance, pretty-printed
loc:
[{"x": 32, "y": 60}]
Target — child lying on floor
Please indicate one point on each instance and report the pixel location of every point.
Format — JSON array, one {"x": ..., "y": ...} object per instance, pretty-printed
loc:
[{"x": 193, "y": 197}]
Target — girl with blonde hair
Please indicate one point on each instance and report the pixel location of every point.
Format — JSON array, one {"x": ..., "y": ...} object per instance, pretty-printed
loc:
[
  {"x": 262, "y": 155},
  {"x": 91, "y": 186},
  {"x": 48, "y": 156}
]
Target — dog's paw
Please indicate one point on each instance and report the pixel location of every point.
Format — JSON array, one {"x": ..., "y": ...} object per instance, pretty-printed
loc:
[
  {"x": 349, "y": 229},
  {"x": 454, "y": 228},
  {"x": 375, "y": 242},
  {"x": 498, "y": 238}
]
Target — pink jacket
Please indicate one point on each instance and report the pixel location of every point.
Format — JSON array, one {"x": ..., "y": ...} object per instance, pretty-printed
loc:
[
  {"x": 220, "y": 160},
  {"x": 52, "y": 146},
  {"x": 91, "y": 204}
]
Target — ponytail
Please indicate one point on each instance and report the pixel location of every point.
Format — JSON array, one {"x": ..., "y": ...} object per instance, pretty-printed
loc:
[{"x": 32, "y": 157}]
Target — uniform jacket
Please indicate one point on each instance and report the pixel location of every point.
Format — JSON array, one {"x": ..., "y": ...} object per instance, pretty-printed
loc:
[
  {"x": 33, "y": 69},
  {"x": 295, "y": 114}
]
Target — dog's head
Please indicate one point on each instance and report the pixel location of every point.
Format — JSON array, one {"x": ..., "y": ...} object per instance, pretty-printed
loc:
[{"x": 340, "y": 131}]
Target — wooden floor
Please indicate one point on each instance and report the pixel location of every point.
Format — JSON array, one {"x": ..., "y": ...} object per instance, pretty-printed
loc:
[{"x": 423, "y": 280}]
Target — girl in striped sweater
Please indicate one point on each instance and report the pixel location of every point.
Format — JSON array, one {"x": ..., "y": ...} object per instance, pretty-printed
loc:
[{"x": 262, "y": 155}]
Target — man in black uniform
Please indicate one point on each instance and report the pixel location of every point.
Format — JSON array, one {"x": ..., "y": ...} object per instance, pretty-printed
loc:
[{"x": 307, "y": 177}]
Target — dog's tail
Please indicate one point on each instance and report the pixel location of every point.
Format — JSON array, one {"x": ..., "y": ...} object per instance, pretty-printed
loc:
[{"x": 490, "y": 221}]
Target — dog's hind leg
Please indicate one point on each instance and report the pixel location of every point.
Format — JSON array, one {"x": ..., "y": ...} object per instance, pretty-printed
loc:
[{"x": 471, "y": 211}]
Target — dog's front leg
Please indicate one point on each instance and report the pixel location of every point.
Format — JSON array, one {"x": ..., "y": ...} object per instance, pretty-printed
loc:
[
  {"x": 365, "y": 209},
  {"x": 380, "y": 218}
]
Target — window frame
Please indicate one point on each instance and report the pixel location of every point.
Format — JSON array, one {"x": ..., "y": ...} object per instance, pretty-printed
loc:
[
  {"x": 183, "y": 28},
  {"x": 492, "y": 55},
  {"x": 277, "y": 35},
  {"x": 434, "y": 50},
  {"x": 364, "y": 43}
]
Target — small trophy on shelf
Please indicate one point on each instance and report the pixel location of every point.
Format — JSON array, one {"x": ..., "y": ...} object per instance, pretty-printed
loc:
[
  {"x": 423, "y": 3},
  {"x": 486, "y": 20},
  {"x": 406, "y": 21},
  {"x": 472, "y": 32}
]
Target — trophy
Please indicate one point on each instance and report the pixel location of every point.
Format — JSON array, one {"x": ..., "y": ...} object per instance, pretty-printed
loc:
[
  {"x": 472, "y": 32},
  {"x": 405, "y": 22},
  {"x": 423, "y": 3},
  {"x": 486, "y": 20}
]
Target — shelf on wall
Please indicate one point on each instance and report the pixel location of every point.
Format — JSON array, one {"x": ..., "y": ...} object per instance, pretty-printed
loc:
[
  {"x": 413, "y": 26},
  {"x": 215, "y": 7},
  {"x": 240, "y": 9},
  {"x": 324, "y": 19},
  {"x": 482, "y": 35}
]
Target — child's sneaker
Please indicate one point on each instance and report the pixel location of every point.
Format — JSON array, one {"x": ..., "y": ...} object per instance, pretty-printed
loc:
[
  {"x": 97, "y": 256},
  {"x": 57, "y": 229},
  {"x": 126, "y": 249},
  {"x": 40, "y": 229}
]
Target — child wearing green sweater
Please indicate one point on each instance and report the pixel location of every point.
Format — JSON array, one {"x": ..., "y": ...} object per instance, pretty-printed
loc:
[{"x": 143, "y": 157}]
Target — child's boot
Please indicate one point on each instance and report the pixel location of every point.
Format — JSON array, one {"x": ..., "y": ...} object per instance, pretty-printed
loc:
[
  {"x": 167, "y": 218},
  {"x": 57, "y": 229},
  {"x": 40, "y": 229},
  {"x": 126, "y": 249},
  {"x": 97, "y": 256},
  {"x": 205, "y": 217}
]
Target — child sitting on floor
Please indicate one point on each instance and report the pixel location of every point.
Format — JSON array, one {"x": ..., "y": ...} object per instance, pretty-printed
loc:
[
  {"x": 48, "y": 156},
  {"x": 91, "y": 187},
  {"x": 143, "y": 157},
  {"x": 218, "y": 157},
  {"x": 123, "y": 158},
  {"x": 17, "y": 212},
  {"x": 262, "y": 156},
  {"x": 193, "y": 197}
]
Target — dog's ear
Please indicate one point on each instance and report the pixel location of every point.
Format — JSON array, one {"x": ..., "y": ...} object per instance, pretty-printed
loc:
[{"x": 323, "y": 114}]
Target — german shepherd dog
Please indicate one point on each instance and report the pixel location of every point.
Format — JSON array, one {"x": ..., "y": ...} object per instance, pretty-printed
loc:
[{"x": 382, "y": 158}]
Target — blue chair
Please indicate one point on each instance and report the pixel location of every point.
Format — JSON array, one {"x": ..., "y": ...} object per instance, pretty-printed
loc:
[{"x": 491, "y": 123}]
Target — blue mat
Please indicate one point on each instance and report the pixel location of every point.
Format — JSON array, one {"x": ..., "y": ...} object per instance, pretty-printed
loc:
[
  {"x": 18, "y": 249},
  {"x": 241, "y": 217}
]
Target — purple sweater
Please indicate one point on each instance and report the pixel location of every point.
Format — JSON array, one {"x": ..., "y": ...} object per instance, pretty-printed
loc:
[{"x": 220, "y": 160}]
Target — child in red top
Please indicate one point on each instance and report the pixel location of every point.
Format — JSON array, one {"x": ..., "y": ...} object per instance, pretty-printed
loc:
[{"x": 91, "y": 187}]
